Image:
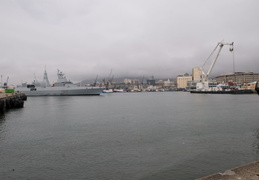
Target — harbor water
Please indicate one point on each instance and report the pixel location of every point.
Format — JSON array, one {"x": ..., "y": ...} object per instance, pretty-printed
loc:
[{"x": 129, "y": 136}]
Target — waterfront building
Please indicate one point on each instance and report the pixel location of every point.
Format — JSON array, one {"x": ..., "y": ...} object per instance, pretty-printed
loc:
[
  {"x": 127, "y": 81},
  {"x": 196, "y": 74},
  {"x": 168, "y": 83},
  {"x": 238, "y": 77},
  {"x": 160, "y": 83},
  {"x": 182, "y": 80},
  {"x": 151, "y": 81},
  {"x": 131, "y": 81}
]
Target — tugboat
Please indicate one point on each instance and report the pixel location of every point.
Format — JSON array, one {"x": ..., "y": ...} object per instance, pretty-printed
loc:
[{"x": 257, "y": 87}]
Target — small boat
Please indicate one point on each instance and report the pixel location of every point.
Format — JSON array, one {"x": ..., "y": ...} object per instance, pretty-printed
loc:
[
  {"x": 107, "y": 91},
  {"x": 118, "y": 90},
  {"x": 62, "y": 87}
]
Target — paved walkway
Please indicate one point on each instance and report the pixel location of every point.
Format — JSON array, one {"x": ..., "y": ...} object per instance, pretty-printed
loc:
[
  {"x": 2, "y": 95},
  {"x": 245, "y": 172}
]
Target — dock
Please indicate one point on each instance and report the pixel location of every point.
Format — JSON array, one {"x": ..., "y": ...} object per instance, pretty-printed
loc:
[
  {"x": 248, "y": 171},
  {"x": 11, "y": 100}
]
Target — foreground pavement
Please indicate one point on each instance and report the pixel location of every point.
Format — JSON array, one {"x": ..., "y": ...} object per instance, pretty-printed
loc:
[{"x": 245, "y": 172}]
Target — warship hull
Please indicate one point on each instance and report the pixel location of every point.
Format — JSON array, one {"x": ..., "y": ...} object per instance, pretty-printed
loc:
[{"x": 60, "y": 91}]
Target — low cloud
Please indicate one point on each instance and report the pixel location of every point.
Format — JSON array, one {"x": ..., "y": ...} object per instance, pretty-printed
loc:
[{"x": 133, "y": 38}]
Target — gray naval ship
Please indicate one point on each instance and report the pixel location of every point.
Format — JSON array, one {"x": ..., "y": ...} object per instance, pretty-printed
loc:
[{"x": 62, "y": 87}]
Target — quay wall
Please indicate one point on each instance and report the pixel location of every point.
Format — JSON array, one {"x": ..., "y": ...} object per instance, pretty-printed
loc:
[
  {"x": 246, "y": 172},
  {"x": 11, "y": 100}
]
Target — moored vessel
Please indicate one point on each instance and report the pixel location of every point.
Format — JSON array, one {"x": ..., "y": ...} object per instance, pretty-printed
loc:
[
  {"x": 234, "y": 91},
  {"x": 257, "y": 87},
  {"x": 62, "y": 87}
]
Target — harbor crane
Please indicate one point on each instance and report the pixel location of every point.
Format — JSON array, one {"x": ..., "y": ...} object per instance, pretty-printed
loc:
[{"x": 204, "y": 84}]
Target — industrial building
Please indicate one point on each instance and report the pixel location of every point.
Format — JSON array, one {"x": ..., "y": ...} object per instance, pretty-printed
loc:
[
  {"x": 182, "y": 80},
  {"x": 238, "y": 77},
  {"x": 196, "y": 74}
]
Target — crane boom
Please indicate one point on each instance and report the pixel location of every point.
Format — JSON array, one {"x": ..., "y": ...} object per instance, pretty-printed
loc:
[
  {"x": 204, "y": 76},
  {"x": 220, "y": 44},
  {"x": 213, "y": 63}
]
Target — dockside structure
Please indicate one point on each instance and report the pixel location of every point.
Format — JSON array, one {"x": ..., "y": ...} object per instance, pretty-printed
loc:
[{"x": 11, "y": 100}]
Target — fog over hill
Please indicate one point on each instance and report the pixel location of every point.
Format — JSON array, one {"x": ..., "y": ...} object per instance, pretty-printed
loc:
[{"x": 135, "y": 38}]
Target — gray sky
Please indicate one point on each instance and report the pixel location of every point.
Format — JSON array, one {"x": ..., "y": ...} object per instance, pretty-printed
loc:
[{"x": 85, "y": 38}]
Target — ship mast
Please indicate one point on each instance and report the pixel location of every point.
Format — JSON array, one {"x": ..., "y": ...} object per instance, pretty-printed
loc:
[{"x": 46, "y": 79}]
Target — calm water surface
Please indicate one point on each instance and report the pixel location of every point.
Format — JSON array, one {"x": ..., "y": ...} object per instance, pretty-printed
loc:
[{"x": 129, "y": 136}]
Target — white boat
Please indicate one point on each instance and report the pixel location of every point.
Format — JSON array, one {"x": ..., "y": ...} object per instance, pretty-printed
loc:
[
  {"x": 118, "y": 90},
  {"x": 107, "y": 91},
  {"x": 62, "y": 87}
]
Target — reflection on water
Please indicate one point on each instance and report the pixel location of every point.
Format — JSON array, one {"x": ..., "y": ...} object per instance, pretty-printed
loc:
[
  {"x": 2, "y": 118},
  {"x": 256, "y": 142},
  {"x": 2, "y": 121},
  {"x": 148, "y": 136}
]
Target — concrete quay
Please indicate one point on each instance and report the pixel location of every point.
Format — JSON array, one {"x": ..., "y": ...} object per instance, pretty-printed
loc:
[
  {"x": 245, "y": 172},
  {"x": 11, "y": 100}
]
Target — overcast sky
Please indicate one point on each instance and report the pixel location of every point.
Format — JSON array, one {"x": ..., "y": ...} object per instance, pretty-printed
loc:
[{"x": 86, "y": 38}]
